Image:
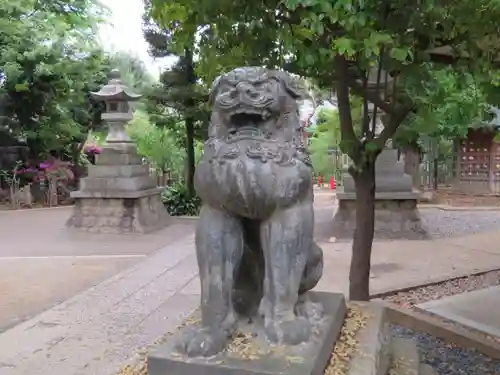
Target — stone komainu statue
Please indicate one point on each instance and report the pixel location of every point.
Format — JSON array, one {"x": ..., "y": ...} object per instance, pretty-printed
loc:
[{"x": 256, "y": 254}]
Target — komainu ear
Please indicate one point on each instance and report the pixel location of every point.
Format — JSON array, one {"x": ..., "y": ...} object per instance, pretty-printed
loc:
[
  {"x": 292, "y": 85},
  {"x": 213, "y": 91}
]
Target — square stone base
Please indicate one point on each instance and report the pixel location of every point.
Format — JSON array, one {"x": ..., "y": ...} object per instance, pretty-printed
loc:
[
  {"x": 394, "y": 218},
  {"x": 251, "y": 354},
  {"x": 119, "y": 215}
]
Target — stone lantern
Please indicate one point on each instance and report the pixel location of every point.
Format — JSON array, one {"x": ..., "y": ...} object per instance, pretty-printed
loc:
[
  {"x": 396, "y": 212},
  {"x": 118, "y": 195},
  {"x": 118, "y": 99}
]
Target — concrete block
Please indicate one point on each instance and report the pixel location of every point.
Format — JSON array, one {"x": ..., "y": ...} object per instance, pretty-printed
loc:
[
  {"x": 373, "y": 354},
  {"x": 259, "y": 357},
  {"x": 405, "y": 357}
]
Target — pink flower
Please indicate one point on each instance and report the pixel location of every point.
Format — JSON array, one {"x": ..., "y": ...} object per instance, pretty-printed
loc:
[
  {"x": 92, "y": 149},
  {"x": 45, "y": 165}
]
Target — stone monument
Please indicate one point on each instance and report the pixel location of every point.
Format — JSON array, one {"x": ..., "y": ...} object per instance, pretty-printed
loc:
[
  {"x": 256, "y": 254},
  {"x": 396, "y": 212},
  {"x": 118, "y": 195}
]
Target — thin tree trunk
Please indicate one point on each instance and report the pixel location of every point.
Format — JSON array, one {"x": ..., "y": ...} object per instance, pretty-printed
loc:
[
  {"x": 189, "y": 122},
  {"x": 359, "y": 274},
  {"x": 190, "y": 156},
  {"x": 435, "y": 171}
]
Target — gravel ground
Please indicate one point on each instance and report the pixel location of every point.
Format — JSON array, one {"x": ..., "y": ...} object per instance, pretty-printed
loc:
[
  {"x": 447, "y": 288},
  {"x": 449, "y": 359},
  {"x": 441, "y": 223},
  {"x": 410, "y": 298}
]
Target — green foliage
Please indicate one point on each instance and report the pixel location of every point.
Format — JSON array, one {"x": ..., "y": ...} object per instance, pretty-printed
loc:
[
  {"x": 179, "y": 202},
  {"x": 325, "y": 40},
  {"x": 448, "y": 101},
  {"x": 326, "y": 137},
  {"x": 48, "y": 63},
  {"x": 156, "y": 144}
]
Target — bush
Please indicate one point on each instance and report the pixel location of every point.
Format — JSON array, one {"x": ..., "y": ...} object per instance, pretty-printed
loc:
[{"x": 178, "y": 203}]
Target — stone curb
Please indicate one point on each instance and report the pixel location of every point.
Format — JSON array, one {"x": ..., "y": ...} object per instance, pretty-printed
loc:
[
  {"x": 420, "y": 321},
  {"x": 36, "y": 209},
  {"x": 374, "y": 342},
  {"x": 431, "y": 282},
  {"x": 445, "y": 207}
]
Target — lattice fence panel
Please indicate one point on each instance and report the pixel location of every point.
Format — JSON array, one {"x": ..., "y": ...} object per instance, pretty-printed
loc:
[{"x": 475, "y": 158}]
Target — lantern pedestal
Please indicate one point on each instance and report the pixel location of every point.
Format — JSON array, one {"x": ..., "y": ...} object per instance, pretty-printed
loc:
[{"x": 118, "y": 195}]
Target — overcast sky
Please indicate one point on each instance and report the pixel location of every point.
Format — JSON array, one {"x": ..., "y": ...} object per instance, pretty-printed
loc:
[{"x": 123, "y": 31}]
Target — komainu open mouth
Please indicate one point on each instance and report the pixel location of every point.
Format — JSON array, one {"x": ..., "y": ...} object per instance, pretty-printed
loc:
[{"x": 248, "y": 118}]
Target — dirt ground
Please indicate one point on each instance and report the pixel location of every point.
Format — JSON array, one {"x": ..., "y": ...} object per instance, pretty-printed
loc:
[{"x": 449, "y": 196}]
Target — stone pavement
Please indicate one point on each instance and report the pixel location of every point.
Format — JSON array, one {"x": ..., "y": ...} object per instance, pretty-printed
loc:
[
  {"x": 479, "y": 309},
  {"x": 96, "y": 331},
  {"x": 43, "y": 264}
]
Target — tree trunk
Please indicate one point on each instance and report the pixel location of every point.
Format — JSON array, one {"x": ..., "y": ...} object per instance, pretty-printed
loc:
[
  {"x": 189, "y": 121},
  {"x": 435, "y": 171},
  {"x": 190, "y": 155},
  {"x": 359, "y": 273},
  {"x": 412, "y": 164}
]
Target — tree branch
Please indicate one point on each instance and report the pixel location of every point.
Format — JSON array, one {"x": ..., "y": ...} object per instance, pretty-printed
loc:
[
  {"x": 371, "y": 96},
  {"x": 394, "y": 121},
  {"x": 349, "y": 139}
]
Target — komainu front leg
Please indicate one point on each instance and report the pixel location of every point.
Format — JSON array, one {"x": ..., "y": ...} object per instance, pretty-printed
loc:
[
  {"x": 219, "y": 246},
  {"x": 286, "y": 239}
]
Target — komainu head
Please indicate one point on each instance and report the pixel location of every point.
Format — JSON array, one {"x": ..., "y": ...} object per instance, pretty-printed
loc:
[{"x": 254, "y": 98}]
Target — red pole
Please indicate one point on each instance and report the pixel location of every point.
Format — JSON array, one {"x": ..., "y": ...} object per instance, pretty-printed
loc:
[{"x": 332, "y": 183}]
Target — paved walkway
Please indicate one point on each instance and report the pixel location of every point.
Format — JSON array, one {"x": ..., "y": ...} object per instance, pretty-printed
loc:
[
  {"x": 478, "y": 309},
  {"x": 96, "y": 331},
  {"x": 42, "y": 264}
]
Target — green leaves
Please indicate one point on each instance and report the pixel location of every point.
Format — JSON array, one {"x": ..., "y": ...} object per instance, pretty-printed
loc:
[
  {"x": 48, "y": 63},
  {"x": 344, "y": 46},
  {"x": 400, "y": 54}
]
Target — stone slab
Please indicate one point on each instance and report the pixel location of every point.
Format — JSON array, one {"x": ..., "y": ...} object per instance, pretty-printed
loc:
[
  {"x": 405, "y": 357},
  {"x": 116, "y": 158},
  {"x": 478, "y": 309},
  {"x": 394, "y": 218},
  {"x": 119, "y": 215},
  {"x": 135, "y": 183},
  {"x": 380, "y": 195},
  {"x": 372, "y": 355},
  {"x": 304, "y": 359},
  {"x": 100, "y": 171},
  {"x": 116, "y": 194}
]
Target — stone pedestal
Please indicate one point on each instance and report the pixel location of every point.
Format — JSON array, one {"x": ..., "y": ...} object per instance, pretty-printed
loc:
[
  {"x": 118, "y": 196},
  {"x": 396, "y": 216},
  {"x": 250, "y": 353},
  {"x": 396, "y": 212}
]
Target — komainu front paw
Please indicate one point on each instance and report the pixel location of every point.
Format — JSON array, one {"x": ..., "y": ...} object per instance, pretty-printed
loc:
[
  {"x": 312, "y": 311},
  {"x": 291, "y": 332},
  {"x": 202, "y": 342}
]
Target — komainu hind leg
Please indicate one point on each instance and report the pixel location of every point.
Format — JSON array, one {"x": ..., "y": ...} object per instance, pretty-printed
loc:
[
  {"x": 219, "y": 246},
  {"x": 312, "y": 274},
  {"x": 286, "y": 238}
]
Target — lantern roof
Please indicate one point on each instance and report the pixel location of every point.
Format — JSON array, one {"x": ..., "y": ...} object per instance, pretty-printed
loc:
[{"x": 115, "y": 90}]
